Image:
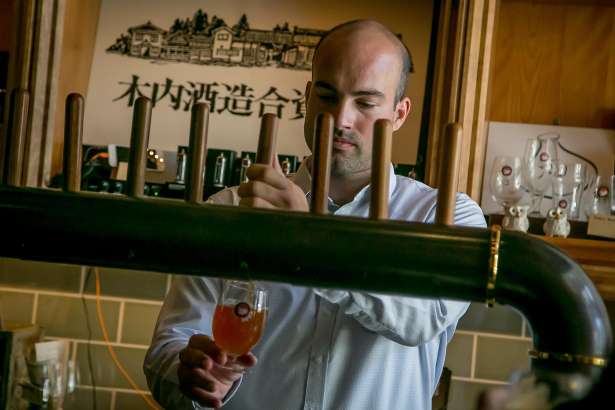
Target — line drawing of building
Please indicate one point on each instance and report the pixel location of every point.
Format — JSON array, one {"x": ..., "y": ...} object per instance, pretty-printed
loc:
[
  {"x": 200, "y": 41},
  {"x": 146, "y": 40}
]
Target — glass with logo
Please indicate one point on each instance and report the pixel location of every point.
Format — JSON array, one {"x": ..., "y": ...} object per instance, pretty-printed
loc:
[
  {"x": 538, "y": 166},
  {"x": 599, "y": 202},
  {"x": 506, "y": 181},
  {"x": 569, "y": 182},
  {"x": 239, "y": 319}
]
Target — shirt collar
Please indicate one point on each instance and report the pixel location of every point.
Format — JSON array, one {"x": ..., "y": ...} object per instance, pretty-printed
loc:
[{"x": 303, "y": 179}]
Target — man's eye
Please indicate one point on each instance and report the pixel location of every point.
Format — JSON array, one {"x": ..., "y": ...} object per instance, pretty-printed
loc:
[{"x": 366, "y": 104}]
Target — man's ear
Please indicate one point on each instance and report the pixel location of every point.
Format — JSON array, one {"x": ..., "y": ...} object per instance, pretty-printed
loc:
[
  {"x": 402, "y": 109},
  {"x": 308, "y": 88}
]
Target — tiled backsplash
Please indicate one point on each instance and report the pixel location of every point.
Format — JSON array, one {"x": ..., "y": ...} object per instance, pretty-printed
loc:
[{"x": 489, "y": 346}]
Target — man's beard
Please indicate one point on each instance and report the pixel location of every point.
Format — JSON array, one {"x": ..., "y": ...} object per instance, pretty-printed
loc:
[{"x": 350, "y": 161}]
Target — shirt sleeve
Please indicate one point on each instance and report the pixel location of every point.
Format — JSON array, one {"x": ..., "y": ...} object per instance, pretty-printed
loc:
[
  {"x": 187, "y": 310},
  {"x": 406, "y": 320}
]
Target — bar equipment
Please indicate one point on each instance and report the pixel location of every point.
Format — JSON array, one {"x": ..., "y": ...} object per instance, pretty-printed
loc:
[
  {"x": 381, "y": 164},
  {"x": 448, "y": 174},
  {"x": 267, "y": 139},
  {"x": 16, "y": 142},
  {"x": 139, "y": 140},
  {"x": 288, "y": 163},
  {"x": 572, "y": 335},
  {"x": 246, "y": 162},
  {"x": 182, "y": 161},
  {"x": 199, "y": 123},
  {"x": 220, "y": 171},
  {"x": 321, "y": 163}
]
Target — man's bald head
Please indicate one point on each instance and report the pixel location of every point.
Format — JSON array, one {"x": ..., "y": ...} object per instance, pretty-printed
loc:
[{"x": 357, "y": 27}]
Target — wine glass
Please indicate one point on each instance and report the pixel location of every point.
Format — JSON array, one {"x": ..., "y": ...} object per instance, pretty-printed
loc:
[
  {"x": 539, "y": 158},
  {"x": 239, "y": 319},
  {"x": 506, "y": 181}
]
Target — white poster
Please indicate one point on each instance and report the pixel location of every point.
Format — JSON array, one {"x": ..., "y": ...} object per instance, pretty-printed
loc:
[{"x": 243, "y": 58}]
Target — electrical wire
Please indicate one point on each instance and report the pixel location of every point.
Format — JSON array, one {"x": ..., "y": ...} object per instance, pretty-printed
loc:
[
  {"x": 89, "y": 344},
  {"x": 101, "y": 321}
]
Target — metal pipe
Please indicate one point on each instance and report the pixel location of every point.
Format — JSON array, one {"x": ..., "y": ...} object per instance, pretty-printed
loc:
[
  {"x": 381, "y": 165},
  {"x": 321, "y": 163},
  {"x": 448, "y": 174},
  {"x": 565, "y": 310},
  {"x": 139, "y": 139},
  {"x": 267, "y": 140},
  {"x": 16, "y": 137},
  {"x": 73, "y": 138},
  {"x": 197, "y": 153}
]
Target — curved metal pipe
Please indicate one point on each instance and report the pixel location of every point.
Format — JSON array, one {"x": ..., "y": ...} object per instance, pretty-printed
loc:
[{"x": 561, "y": 303}]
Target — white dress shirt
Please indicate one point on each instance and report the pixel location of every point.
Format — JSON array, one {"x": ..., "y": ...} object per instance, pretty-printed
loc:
[{"x": 322, "y": 348}]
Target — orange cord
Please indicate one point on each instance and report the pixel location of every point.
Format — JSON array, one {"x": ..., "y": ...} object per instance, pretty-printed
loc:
[{"x": 101, "y": 321}]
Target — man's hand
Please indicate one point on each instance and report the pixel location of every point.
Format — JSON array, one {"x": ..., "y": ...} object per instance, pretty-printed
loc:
[
  {"x": 200, "y": 376},
  {"x": 269, "y": 188}
]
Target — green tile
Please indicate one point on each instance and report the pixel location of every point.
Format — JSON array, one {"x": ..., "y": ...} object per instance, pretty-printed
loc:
[
  {"x": 106, "y": 374},
  {"x": 464, "y": 395},
  {"x": 459, "y": 355},
  {"x": 130, "y": 283},
  {"x": 139, "y": 322},
  {"x": 82, "y": 399},
  {"x": 65, "y": 317},
  {"x": 499, "y": 319},
  {"x": 39, "y": 275},
  {"x": 125, "y": 401},
  {"x": 16, "y": 306},
  {"x": 497, "y": 358}
]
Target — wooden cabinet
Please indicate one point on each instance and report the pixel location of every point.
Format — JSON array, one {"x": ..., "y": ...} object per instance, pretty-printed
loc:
[{"x": 554, "y": 62}]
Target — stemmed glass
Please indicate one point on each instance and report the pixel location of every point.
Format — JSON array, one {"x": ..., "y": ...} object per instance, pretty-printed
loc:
[
  {"x": 506, "y": 181},
  {"x": 539, "y": 164},
  {"x": 239, "y": 319}
]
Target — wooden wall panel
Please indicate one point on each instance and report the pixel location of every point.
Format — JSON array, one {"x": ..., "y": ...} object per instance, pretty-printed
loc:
[
  {"x": 80, "y": 24},
  {"x": 552, "y": 63},
  {"x": 608, "y": 115},
  {"x": 585, "y": 64},
  {"x": 6, "y": 26}
]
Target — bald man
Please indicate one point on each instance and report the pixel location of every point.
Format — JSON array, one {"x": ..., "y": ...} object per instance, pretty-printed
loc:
[{"x": 322, "y": 348}]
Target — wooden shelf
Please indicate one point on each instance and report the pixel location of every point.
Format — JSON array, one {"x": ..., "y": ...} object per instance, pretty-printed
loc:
[
  {"x": 596, "y": 257},
  {"x": 586, "y": 251}
]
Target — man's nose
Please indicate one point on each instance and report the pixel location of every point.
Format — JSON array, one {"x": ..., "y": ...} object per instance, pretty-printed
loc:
[{"x": 343, "y": 115}]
